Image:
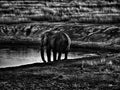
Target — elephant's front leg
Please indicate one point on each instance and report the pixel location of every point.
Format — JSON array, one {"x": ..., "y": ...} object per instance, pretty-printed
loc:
[
  {"x": 48, "y": 51},
  {"x": 42, "y": 54}
]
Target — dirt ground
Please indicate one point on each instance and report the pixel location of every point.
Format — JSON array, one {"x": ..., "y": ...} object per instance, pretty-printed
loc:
[{"x": 90, "y": 73}]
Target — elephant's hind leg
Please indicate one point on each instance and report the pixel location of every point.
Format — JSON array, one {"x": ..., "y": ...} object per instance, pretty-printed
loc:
[
  {"x": 48, "y": 51},
  {"x": 66, "y": 55},
  {"x": 59, "y": 55},
  {"x": 54, "y": 55}
]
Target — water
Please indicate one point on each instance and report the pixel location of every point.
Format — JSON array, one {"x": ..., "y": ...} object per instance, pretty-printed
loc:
[{"x": 20, "y": 56}]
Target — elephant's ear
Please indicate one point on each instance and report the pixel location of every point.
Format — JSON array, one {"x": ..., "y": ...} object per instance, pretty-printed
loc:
[{"x": 44, "y": 39}]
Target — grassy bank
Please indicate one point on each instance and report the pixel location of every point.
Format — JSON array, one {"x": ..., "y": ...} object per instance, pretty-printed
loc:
[
  {"x": 85, "y": 32},
  {"x": 96, "y": 37}
]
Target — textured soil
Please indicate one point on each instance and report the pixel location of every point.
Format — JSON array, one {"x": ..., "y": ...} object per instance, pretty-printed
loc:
[{"x": 89, "y": 73}]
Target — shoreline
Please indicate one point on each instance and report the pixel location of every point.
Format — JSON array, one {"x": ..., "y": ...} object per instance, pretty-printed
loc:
[{"x": 37, "y": 64}]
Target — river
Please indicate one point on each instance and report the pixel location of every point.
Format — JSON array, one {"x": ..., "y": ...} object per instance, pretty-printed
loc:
[{"x": 16, "y": 56}]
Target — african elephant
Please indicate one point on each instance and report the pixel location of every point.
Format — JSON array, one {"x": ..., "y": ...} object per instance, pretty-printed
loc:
[{"x": 57, "y": 42}]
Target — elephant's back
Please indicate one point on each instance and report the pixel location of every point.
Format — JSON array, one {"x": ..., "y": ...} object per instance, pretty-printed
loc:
[{"x": 62, "y": 42}]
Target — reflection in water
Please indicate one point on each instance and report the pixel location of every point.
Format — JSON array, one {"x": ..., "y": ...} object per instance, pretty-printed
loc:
[
  {"x": 10, "y": 57},
  {"x": 14, "y": 57}
]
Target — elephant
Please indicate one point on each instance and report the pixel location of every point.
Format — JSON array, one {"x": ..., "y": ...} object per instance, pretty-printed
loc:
[{"x": 57, "y": 42}]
